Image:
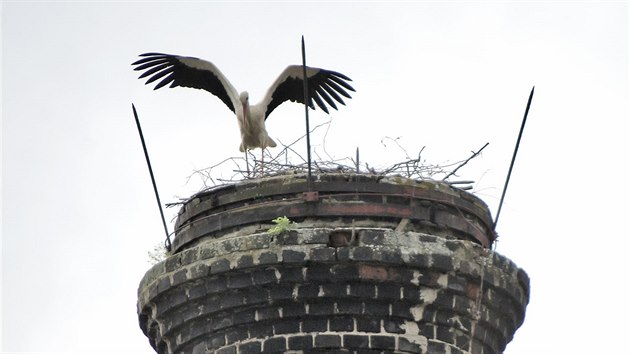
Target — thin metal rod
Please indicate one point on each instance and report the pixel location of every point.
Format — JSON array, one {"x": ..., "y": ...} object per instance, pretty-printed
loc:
[
  {"x": 518, "y": 142},
  {"x": 157, "y": 195},
  {"x": 308, "y": 128}
]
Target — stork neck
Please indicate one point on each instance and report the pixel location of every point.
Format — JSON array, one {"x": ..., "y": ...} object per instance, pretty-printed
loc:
[{"x": 245, "y": 115}]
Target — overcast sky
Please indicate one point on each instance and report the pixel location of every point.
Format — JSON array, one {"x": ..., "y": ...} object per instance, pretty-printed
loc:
[{"x": 78, "y": 211}]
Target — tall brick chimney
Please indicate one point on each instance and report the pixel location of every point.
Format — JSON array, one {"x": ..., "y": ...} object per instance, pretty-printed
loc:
[{"x": 372, "y": 265}]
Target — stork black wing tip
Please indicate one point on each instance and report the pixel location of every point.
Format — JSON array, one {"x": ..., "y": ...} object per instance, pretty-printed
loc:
[{"x": 151, "y": 54}]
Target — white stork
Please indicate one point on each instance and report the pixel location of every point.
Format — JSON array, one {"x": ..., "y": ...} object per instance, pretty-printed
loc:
[{"x": 323, "y": 85}]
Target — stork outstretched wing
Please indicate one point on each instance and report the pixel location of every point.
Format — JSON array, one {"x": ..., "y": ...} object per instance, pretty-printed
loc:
[
  {"x": 323, "y": 85},
  {"x": 187, "y": 72}
]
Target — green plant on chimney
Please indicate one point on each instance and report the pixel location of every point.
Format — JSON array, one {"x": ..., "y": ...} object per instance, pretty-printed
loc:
[
  {"x": 158, "y": 254},
  {"x": 283, "y": 224}
]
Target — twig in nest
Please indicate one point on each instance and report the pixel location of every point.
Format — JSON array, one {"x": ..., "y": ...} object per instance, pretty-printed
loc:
[{"x": 465, "y": 162}]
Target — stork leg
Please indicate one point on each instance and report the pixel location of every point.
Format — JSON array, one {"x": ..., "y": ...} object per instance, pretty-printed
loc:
[
  {"x": 247, "y": 163},
  {"x": 262, "y": 162}
]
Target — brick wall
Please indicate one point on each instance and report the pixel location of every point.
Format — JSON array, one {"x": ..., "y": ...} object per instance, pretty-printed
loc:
[
  {"x": 333, "y": 289},
  {"x": 385, "y": 291}
]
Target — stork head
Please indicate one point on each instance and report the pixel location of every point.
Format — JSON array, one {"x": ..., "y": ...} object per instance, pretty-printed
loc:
[{"x": 244, "y": 97}]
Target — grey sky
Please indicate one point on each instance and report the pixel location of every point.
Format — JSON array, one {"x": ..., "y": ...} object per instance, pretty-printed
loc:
[{"x": 78, "y": 214}]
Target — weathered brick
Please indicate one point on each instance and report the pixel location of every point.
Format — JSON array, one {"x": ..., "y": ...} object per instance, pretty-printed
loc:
[
  {"x": 321, "y": 308},
  {"x": 308, "y": 291},
  {"x": 316, "y": 236},
  {"x": 383, "y": 342},
  {"x": 243, "y": 317},
  {"x": 198, "y": 290},
  {"x": 364, "y": 290},
  {"x": 287, "y": 238},
  {"x": 250, "y": 347},
  {"x": 291, "y": 256},
  {"x": 411, "y": 294},
  {"x": 456, "y": 284},
  {"x": 259, "y": 241},
  {"x": 327, "y": 254},
  {"x": 219, "y": 266},
  {"x": 390, "y": 256},
  {"x": 341, "y": 324},
  {"x": 291, "y": 275},
  {"x": 349, "y": 307},
  {"x": 256, "y": 296},
  {"x": 215, "y": 341},
  {"x": 199, "y": 270},
  {"x": 245, "y": 261},
  {"x": 234, "y": 335},
  {"x": 428, "y": 314},
  {"x": 293, "y": 310},
  {"x": 402, "y": 309},
  {"x": 353, "y": 341},
  {"x": 501, "y": 262},
  {"x": 267, "y": 258},
  {"x": 264, "y": 276},
  {"x": 406, "y": 275},
  {"x": 275, "y": 344},
  {"x": 469, "y": 268},
  {"x": 219, "y": 323},
  {"x": 267, "y": 313},
  {"x": 377, "y": 308},
  {"x": 368, "y": 324},
  {"x": 216, "y": 284},
  {"x": 371, "y": 237},
  {"x": 172, "y": 263},
  {"x": 300, "y": 342},
  {"x": 442, "y": 262},
  {"x": 318, "y": 272},
  {"x": 343, "y": 254},
  {"x": 208, "y": 252},
  {"x": 153, "y": 291},
  {"x": 445, "y": 300},
  {"x": 345, "y": 272},
  {"x": 231, "y": 299},
  {"x": 281, "y": 292},
  {"x": 284, "y": 327},
  {"x": 180, "y": 276},
  {"x": 418, "y": 260},
  {"x": 239, "y": 280},
  {"x": 339, "y": 238},
  {"x": 163, "y": 284},
  {"x": 393, "y": 325},
  {"x": 226, "y": 350},
  {"x": 388, "y": 291},
  {"x": 314, "y": 324},
  {"x": 262, "y": 330},
  {"x": 232, "y": 245},
  {"x": 327, "y": 341},
  {"x": 370, "y": 272},
  {"x": 199, "y": 348},
  {"x": 362, "y": 253},
  {"x": 463, "y": 304},
  {"x": 211, "y": 304},
  {"x": 335, "y": 290}
]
